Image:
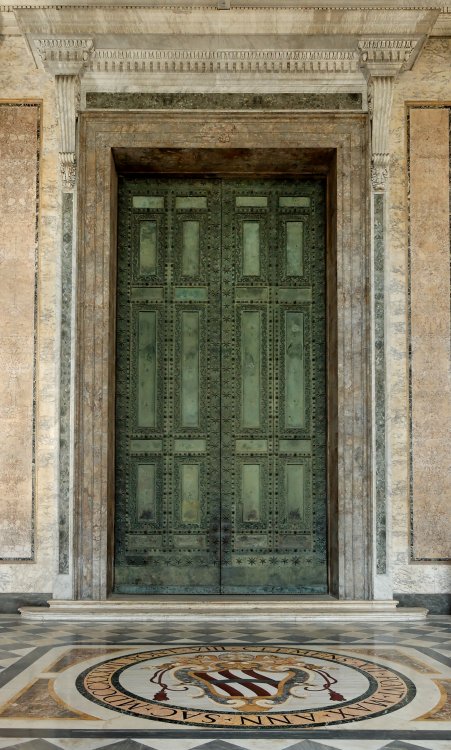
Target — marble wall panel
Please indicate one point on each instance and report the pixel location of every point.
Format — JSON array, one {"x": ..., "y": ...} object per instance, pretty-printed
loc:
[
  {"x": 21, "y": 83},
  {"x": 430, "y": 377},
  {"x": 428, "y": 83},
  {"x": 19, "y": 197}
]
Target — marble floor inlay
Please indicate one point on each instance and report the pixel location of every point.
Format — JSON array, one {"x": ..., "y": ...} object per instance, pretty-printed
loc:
[{"x": 230, "y": 686}]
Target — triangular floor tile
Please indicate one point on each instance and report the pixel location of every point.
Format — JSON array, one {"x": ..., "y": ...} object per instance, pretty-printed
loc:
[
  {"x": 82, "y": 744},
  {"x": 32, "y": 745},
  {"x": 399, "y": 745},
  {"x": 311, "y": 745},
  {"x": 187, "y": 745},
  {"x": 267, "y": 744}
]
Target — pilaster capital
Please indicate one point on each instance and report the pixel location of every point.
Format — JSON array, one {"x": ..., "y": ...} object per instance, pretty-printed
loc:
[
  {"x": 387, "y": 57},
  {"x": 64, "y": 55}
]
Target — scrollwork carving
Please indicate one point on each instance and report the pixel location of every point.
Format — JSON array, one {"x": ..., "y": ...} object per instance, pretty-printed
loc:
[{"x": 379, "y": 172}]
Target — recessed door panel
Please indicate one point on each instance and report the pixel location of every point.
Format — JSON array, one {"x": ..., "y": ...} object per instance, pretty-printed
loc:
[{"x": 220, "y": 407}]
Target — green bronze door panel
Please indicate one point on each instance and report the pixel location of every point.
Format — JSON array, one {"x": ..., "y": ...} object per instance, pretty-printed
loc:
[
  {"x": 273, "y": 489},
  {"x": 167, "y": 390},
  {"x": 220, "y": 404}
]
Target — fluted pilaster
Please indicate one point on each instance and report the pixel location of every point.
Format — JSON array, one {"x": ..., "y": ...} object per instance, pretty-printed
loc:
[{"x": 66, "y": 97}]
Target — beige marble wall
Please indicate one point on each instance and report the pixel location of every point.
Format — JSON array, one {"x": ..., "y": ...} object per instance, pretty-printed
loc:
[
  {"x": 19, "y": 80},
  {"x": 19, "y": 149},
  {"x": 429, "y": 150},
  {"x": 430, "y": 81}
]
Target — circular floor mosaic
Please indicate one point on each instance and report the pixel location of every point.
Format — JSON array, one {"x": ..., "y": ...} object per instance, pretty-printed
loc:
[{"x": 230, "y": 686}]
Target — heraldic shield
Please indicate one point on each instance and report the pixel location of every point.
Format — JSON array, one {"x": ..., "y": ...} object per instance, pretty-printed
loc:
[{"x": 245, "y": 683}]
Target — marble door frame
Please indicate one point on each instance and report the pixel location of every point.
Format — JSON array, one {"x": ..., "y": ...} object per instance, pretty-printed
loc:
[{"x": 349, "y": 331}]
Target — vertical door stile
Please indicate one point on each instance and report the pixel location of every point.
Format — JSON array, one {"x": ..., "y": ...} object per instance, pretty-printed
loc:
[
  {"x": 273, "y": 312},
  {"x": 222, "y": 531},
  {"x": 168, "y": 487}
]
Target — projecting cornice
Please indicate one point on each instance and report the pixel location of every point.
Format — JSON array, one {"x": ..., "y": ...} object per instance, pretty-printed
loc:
[
  {"x": 224, "y": 4},
  {"x": 336, "y": 20}
]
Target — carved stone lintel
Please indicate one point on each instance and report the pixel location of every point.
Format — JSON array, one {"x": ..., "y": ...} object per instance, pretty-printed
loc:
[{"x": 68, "y": 170}]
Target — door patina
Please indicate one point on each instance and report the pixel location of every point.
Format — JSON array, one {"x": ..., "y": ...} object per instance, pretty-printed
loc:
[{"x": 220, "y": 387}]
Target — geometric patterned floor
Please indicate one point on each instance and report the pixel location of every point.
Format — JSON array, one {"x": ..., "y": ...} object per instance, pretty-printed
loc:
[{"x": 130, "y": 686}]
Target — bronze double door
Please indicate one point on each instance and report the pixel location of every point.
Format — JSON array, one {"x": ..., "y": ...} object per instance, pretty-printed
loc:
[{"x": 220, "y": 387}]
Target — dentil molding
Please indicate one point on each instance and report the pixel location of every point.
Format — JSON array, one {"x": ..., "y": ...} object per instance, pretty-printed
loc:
[{"x": 231, "y": 61}]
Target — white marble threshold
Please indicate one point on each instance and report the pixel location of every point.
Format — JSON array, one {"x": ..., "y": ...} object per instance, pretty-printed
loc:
[{"x": 224, "y": 609}]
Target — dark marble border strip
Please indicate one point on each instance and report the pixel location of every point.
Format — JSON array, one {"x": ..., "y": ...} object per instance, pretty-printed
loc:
[
  {"x": 212, "y": 101},
  {"x": 437, "y": 604},
  {"x": 434, "y": 654},
  {"x": 432, "y": 560},
  {"x": 10, "y": 603},
  {"x": 11, "y": 672},
  {"x": 65, "y": 380},
  {"x": 225, "y": 734},
  {"x": 38, "y": 106},
  {"x": 379, "y": 381}
]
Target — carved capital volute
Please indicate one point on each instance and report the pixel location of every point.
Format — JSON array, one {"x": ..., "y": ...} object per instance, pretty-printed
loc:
[
  {"x": 381, "y": 61},
  {"x": 65, "y": 59}
]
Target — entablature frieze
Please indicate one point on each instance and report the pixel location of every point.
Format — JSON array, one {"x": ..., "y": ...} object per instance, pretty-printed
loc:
[{"x": 196, "y": 47}]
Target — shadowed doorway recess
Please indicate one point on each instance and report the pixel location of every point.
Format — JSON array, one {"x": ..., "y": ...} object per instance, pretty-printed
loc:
[{"x": 221, "y": 387}]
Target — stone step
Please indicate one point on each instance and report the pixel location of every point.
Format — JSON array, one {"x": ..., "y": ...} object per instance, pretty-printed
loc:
[{"x": 218, "y": 609}]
